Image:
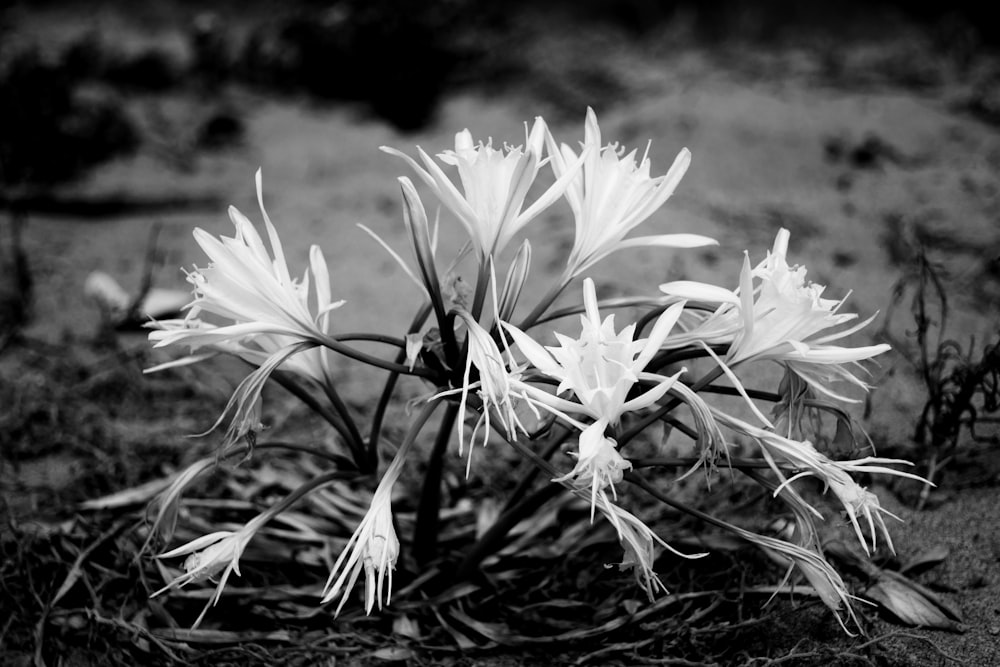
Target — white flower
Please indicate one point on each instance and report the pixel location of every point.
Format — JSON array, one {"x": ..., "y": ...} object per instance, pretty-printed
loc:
[
  {"x": 783, "y": 318},
  {"x": 209, "y": 555},
  {"x": 268, "y": 319},
  {"x": 612, "y": 195},
  {"x": 254, "y": 292},
  {"x": 497, "y": 387},
  {"x": 802, "y": 456},
  {"x": 495, "y": 183},
  {"x": 373, "y": 547},
  {"x": 639, "y": 544},
  {"x": 600, "y": 367},
  {"x": 825, "y": 580},
  {"x": 598, "y": 463}
]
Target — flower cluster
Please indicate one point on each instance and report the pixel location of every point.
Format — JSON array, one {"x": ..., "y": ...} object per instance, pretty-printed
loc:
[{"x": 600, "y": 384}]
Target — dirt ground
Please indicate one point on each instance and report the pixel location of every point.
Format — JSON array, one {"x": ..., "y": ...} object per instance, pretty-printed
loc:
[{"x": 863, "y": 150}]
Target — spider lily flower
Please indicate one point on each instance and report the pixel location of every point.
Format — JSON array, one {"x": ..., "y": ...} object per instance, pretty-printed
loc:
[
  {"x": 373, "y": 547},
  {"x": 639, "y": 543},
  {"x": 221, "y": 551},
  {"x": 612, "y": 195},
  {"x": 495, "y": 183},
  {"x": 825, "y": 580},
  {"x": 710, "y": 439},
  {"x": 244, "y": 284},
  {"x": 209, "y": 555},
  {"x": 600, "y": 367},
  {"x": 783, "y": 318},
  {"x": 268, "y": 315},
  {"x": 598, "y": 463},
  {"x": 497, "y": 386},
  {"x": 803, "y": 456}
]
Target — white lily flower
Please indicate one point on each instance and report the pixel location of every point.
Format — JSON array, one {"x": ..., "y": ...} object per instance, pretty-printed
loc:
[
  {"x": 612, "y": 195},
  {"x": 782, "y": 318},
  {"x": 600, "y": 367},
  {"x": 495, "y": 183}
]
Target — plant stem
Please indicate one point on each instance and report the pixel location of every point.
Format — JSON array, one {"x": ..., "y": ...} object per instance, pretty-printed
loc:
[
  {"x": 426, "y": 530},
  {"x": 390, "y": 384},
  {"x": 651, "y": 418},
  {"x": 684, "y": 461},
  {"x": 355, "y": 441},
  {"x": 294, "y": 496},
  {"x": 667, "y": 357},
  {"x": 532, "y": 474},
  {"x": 482, "y": 283},
  {"x": 676, "y": 504},
  {"x": 285, "y": 379},
  {"x": 543, "y": 305},
  {"x": 357, "y": 355},
  {"x": 342, "y": 462},
  {"x": 372, "y": 337},
  {"x": 752, "y": 393}
]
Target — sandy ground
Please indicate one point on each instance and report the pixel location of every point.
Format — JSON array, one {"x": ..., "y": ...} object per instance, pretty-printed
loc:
[{"x": 764, "y": 130}]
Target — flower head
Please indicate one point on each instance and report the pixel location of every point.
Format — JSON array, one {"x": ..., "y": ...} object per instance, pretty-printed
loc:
[
  {"x": 209, "y": 555},
  {"x": 597, "y": 463},
  {"x": 268, "y": 319},
  {"x": 783, "y": 317},
  {"x": 639, "y": 543},
  {"x": 601, "y": 366},
  {"x": 803, "y": 457},
  {"x": 497, "y": 387},
  {"x": 612, "y": 195},
  {"x": 253, "y": 292},
  {"x": 373, "y": 547},
  {"x": 495, "y": 183}
]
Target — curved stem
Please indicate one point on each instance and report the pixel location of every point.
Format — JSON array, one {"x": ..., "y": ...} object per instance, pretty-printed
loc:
[
  {"x": 667, "y": 357},
  {"x": 294, "y": 496},
  {"x": 639, "y": 481},
  {"x": 355, "y": 441},
  {"x": 285, "y": 379},
  {"x": 646, "y": 319},
  {"x": 652, "y": 417},
  {"x": 373, "y": 337},
  {"x": 543, "y": 305},
  {"x": 752, "y": 393},
  {"x": 681, "y": 426},
  {"x": 341, "y": 461},
  {"x": 375, "y": 432},
  {"x": 529, "y": 477},
  {"x": 428, "y": 510},
  {"x": 685, "y": 461},
  {"x": 357, "y": 355}
]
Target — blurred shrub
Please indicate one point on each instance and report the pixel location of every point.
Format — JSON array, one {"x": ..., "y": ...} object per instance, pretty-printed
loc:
[{"x": 57, "y": 127}]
